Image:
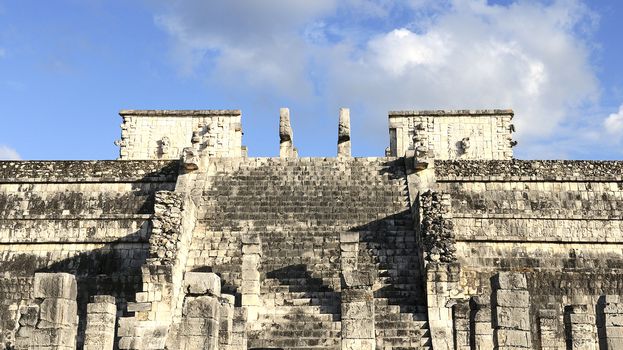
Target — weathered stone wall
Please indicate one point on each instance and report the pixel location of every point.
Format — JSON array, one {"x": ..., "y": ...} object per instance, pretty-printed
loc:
[
  {"x": 164, "y": 134},
  {"x": 559, "y": 223},
  {"x": 462, "y": 134},
  {"x": 86, "y": 218}
]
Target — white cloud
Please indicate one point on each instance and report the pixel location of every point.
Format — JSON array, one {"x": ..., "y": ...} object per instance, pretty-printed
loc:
[
  {"x": 7, "y": 153},
  {"x": 527, "y": 55},
  {"x": 614, "y": 123}
]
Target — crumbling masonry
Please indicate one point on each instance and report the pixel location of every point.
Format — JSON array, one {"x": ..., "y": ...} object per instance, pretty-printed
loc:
[{"x": 185, "y": 242}]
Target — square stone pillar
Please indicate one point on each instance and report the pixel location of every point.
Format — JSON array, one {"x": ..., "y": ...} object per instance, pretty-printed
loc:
[
  {"x": 512, "y": 310},
  {"x": 226, "y": 324},
  {"x": 441, "y": 285},
  {"x": 101, "y": 320},
  {"x": 582, "y": 328},
  {"x": 52, "y": 321},
  {"x": 481, "y": 322},
  {"x": 462, "y": 330},
  {"x": 549, "y": 328},
  {"x": 358, "y": 319},
  {"x": 613, "y": 322},
  {"x": 250, "y": 289}
]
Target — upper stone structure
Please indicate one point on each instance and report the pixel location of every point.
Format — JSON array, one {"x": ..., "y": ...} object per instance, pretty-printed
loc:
[
  {"x": 186, "y": 243},
  {"x": 459, "y": 134},
  {"x": 163, "y": 134}
]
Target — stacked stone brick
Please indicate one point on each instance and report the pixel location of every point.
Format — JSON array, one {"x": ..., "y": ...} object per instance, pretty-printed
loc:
[
  {"x": 101, "y": 322},
  {"x": 512, "y": 312},
  {"x": 52, "y": 321}
]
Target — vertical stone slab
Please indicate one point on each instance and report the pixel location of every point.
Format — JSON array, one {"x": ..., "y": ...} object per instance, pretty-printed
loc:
[
  {"x": 358, "y": 318},
  {"x": 549, "y": 329},
  {"x": 613, "y": 322},
  {"x": 250, "y": 289},
  {"x": 101, "y": 319},
  {"x": 583, "y": 335},
  {"x": 239, "y": 330},
  {"x": 286, "y": 135},
  {"x": 52, "y": 322},
  {"x": 482, "y": 331},
  {"x": 439, "y": 283},
  {"x": 226, "y": 322},
  {"x": 200, "y": 323},
  {"x": 462, "y": 331},
  {"x": 343, "y": 134},
  {"x": 512, "y": 311}
]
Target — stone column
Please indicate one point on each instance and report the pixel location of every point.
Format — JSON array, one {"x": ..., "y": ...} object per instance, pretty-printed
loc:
[
  {"x": 226, "y": 323},
  {"x": 239, "y": 331},
  {"x": 512, "y": 303},
  {"x": 549, "y": 329},
  {"x": 343, "y": 134},
  {"x": 582, "y": 328},
  {"x": 52, "y": 322},
  {"x": 358, "y": 311},
  {"x": 101, "y": 319},
  {"x": 250, "y": 289},
  {"x": 481, "y": 322},
  {"x": 201, "y": 313},
  {"x": 441, "y": 279},
  {"x": 349, "y": 250},
  {"x": 613, "y": 322},
  {"x": 460, "y": 317},
  {"x": 286, "y": 135},
  {"x": 200, "y": 323}
]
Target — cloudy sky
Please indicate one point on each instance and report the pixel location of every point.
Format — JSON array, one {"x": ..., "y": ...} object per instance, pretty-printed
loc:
[{"x": 68, "y": 66}]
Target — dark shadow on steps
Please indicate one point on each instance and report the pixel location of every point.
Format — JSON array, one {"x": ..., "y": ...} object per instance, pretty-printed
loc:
[{"x": 292, "y": 276}]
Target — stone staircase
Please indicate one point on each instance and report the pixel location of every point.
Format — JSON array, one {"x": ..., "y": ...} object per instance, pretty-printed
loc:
[
  {"x": 299, "y": 207},
  {"x": 388, "y": 247}
]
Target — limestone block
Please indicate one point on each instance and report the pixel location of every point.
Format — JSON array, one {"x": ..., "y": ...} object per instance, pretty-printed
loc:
[
  {"x": 101, "y": 308},
  {"x": 511, "y": 280},
  {"x": 358, "y": 344},
  {"x": 109, "y": 299},
  {"x": 614, "y": 320},
  {"x": 358, "y": 329},
  {"x": 349, "y": 237},
  {"x": 202, "y": 283},
  {"x": 55, "y": 285},
  {"x": 514, "y": 298},
  {"x": 55, "y": 337},
  {"x": 127, "y": 326},
  {"x": 202, "y": 307},
  {"x": 513, "y": 338},
  {"x": 139, "y": 307},
  {"x": 513, "y": 318},
  {"x": 250, "y": 274},
  {"x": 29, "y": 315},
  {"x": 58, "y": 312},
  {"x": 358, "y": 310},
  {"x": 99, "y": 341},
  {"x": 198, "y": 326},
  {"x": 358, "y": 279}
]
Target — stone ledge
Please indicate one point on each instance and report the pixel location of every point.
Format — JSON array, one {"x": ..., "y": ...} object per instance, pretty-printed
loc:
[
  {"x": 452, "y": 113},
  {"x": 528, "y": 170},
  {"x": 179, "y": 113},
  {"x": 101, "y": 171}
]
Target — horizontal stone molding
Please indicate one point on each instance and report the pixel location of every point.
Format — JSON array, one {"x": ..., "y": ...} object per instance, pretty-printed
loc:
[
  {"x": 179, "y": 113},
  {"x": 101, "y": 171},
  {"x": 454, "y": 112},
  {"x": 528, "y": 170}
]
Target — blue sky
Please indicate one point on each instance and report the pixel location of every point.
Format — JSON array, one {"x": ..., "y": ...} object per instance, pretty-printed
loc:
[{"x": 68, "y": 66}]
